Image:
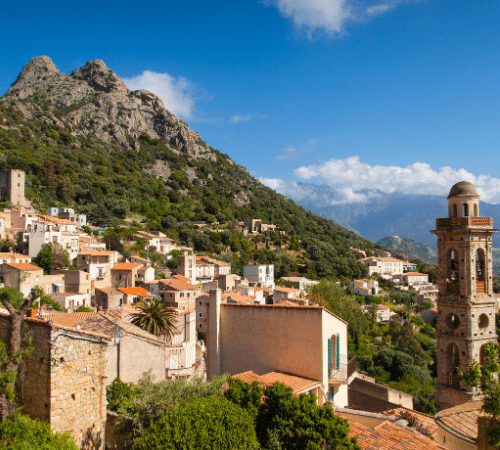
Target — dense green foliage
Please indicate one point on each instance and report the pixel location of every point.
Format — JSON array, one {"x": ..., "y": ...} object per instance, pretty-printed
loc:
[
  {"x": 108, "y": 182},
  {"x": 284, "y": 421},
  {"x": 201, "y": 423},
  {"x": 485, "y": 376},
  {"x": 20, "y": 432},
  {"x": 51, "y": 256},
  {"x": 147, "y": 401},
  {"x": 391, "y": 353}
]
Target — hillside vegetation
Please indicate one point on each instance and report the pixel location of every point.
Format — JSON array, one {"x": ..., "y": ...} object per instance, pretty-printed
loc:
[{"x": 85, "y": 141}]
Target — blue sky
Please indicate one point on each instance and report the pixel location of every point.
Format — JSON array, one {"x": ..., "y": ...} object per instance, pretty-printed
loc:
[{"x": 395, "y": 95}]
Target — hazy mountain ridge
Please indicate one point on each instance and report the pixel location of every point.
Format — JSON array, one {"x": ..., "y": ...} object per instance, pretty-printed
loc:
[{"x": 409, "y": 247}]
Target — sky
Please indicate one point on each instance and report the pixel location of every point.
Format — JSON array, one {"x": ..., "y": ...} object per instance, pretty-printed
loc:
[{"x": 362, "y": 95}]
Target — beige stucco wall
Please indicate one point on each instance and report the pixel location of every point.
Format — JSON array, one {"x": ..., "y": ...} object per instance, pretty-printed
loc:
[{"x": 452, "y": 441}]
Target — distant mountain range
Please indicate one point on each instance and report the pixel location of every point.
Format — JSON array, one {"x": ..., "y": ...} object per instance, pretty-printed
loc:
[
  {"x": 407, "y": 216},
  {"x": 409, "y": 247}
]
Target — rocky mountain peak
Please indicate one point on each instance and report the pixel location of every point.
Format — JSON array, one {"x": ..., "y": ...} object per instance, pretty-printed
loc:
[
  {"x": 94, "y": 101},
  {"x": 100, "y": 78},
  {"x": 35, "y": 72}
]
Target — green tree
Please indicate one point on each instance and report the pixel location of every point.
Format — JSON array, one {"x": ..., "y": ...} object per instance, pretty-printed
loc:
[
  {"x": 246, "y": 395},
  {"x": 485, "y": 375},
  {"x": 52, "y": 256},
  {"x": 155, "y": 317},
  {"x": 83, "y": 309},
  {"x": 299, "y": 423},
  {"x": 201, "y": 423},
  {"x": 12, "y": 355}
]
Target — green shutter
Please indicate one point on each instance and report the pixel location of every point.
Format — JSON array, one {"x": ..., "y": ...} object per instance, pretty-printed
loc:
[
  {"x": 338, "y": 351},
  {"x": 329, "y": 358}
]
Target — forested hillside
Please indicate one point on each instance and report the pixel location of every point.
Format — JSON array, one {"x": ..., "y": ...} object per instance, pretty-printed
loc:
[{"x": 86, "y": 141}]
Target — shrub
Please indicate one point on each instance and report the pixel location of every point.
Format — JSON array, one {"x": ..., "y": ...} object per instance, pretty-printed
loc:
[
  {"x": 22, "y": 433},
  {"x": 201, "y": 423}
]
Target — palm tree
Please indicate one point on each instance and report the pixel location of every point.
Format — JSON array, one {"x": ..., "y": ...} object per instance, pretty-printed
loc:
[{"x": 156, "y": 318}]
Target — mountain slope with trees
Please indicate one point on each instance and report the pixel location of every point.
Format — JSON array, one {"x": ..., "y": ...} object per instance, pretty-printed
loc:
[{"x": 86, "y": 141}]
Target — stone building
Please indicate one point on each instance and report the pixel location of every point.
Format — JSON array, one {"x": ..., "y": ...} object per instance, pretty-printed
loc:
[
  {"x": 64, "y": 382},
  {"x": 465, "y": 302},
  {"x": 12, "y": 186}
]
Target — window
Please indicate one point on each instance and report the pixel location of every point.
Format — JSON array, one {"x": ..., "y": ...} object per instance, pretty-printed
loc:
[{"x": 200, "y": 315}]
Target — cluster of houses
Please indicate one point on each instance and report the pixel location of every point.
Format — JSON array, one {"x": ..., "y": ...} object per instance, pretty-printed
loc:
[
  {"x": 403, "y": 275},
  {"x": 245, "y": 326}
]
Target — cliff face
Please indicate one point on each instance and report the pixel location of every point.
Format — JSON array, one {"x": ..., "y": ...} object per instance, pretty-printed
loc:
[{"x": 94, "y": 100}]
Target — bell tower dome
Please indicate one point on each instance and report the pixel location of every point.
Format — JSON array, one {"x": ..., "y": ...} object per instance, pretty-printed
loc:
[{"x": 465, "y": 303}]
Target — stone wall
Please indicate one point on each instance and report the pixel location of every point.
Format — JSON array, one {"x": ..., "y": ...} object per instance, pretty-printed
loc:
[{"x": 63, "y": 380}]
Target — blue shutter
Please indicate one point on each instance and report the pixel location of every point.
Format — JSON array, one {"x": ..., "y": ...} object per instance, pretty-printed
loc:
[
  {"x": 329, "y": 357},
  {"x": 338, "y": 351}
]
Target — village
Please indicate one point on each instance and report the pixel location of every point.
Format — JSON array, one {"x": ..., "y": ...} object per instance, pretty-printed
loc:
[{"x": 253, "y": 327}]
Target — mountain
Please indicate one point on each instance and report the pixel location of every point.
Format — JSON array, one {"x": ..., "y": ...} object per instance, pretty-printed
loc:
[
  {"x": 409, "y": 247},
  {"x": 86, "y": 141}
]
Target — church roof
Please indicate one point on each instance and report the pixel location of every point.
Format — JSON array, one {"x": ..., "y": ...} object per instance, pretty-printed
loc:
[{"x": 463, "y": 189}]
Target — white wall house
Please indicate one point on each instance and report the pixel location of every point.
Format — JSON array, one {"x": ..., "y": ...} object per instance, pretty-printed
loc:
[{"x": 259, "y": 274}]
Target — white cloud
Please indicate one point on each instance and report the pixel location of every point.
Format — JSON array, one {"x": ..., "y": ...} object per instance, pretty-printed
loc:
[
  {"x": 238, "y": 118},
  {"x": 349, "y": 180},
  {"x": 417, "y": 178},
  {"x": 332, "y": 15},
  {"x": 178, "y": 94}
]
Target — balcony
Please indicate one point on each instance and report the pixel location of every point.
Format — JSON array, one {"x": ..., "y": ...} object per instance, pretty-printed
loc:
[
  {"x": 341, "y": 370},
  {"x": 470, "y": 221}
]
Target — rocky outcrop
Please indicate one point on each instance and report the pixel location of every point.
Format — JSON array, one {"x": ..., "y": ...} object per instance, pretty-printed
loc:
[{"x": 94, "y": 101}]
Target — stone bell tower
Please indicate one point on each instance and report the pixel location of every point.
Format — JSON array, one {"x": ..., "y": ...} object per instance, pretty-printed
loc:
[{"x": 466, "y": 307}]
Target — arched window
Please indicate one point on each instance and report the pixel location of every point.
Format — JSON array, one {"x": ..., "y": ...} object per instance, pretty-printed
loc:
[
  {"x": 455, "y": 213},
  {"x": 452, "y": 275},
  {"x": 476, "y": 212},
  {"x": 465, "y": 210},
  {"x": 483, "y": 321},
  {"x": 480, "y": 268}
]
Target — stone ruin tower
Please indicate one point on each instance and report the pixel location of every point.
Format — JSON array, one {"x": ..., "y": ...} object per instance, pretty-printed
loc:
[{"x": 465, "y": 303}]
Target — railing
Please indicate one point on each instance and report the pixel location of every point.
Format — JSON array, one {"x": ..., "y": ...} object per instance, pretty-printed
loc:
[
  {"x": 342, "y": 369},
  {"x": 470, "y": 221}
]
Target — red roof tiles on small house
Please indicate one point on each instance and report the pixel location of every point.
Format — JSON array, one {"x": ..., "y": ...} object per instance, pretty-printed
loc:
[
  {"x": 178, "y": 285},
  {"x": 182, "y": 278},
  {"x": 69, "y": 319},
  {"x": 127, "y": 266},
  {"x": 135, "y": 291},
  {"x": 389, "y": 436},
  {"x": 23, "y": 266}
]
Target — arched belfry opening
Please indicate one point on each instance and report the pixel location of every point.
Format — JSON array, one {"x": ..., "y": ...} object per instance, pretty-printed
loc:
[
  {"x": 480, "y": 271},
  {"x": 452, "y": 272},
  {"x": 465, "y": 306}
]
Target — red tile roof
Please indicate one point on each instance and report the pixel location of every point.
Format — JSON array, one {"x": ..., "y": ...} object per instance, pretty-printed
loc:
[
  {"x": 135, "y": 291},
  {"x": 298, "y": 384},
  {"x": 418, "y": 420},
  {"x": 182, "y": 278},
  {"x": 462, "y": 419},
  {"x": 69, "y": 319},
  {"x": 388, "y": 436},
  {"x": 23, "y": 266},
  {"x": 126, "y": 266},
  {"x": 178, "y": 285}
]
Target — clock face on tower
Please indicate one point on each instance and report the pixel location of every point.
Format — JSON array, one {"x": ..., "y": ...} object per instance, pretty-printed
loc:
[{"x": 466, "y": 308}]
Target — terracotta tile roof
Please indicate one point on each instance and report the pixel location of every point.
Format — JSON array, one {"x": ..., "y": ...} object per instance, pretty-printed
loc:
[
  {"x": 56, "y": 220},
  {"x": 140, "y": 258},
  {"x": 389, "y": 436},
  {"x": 422, "y": 422},
  {"x": 413, "y": 274},
  {"x": 177, "y": 285},
  {"x": 98, "y": 252},
  {"x": 126, "y": 266},
  {"x": 237, "y": 298},
  {"x": 106, "y": 324},
  {"x": 286, "y": 290},
  {"x": 108, "y": 290},
  {"x": 69, "y": 319},
  {"x": 462, "y": 419},
  {"x": 214, "y": 261},
  {"x": 23, "y": 266},
  {"x": 292, "y": 279},
  {"x": 135, "y": 291},
  {"x": 130, "y": 309},
  {"x": 182, "y": 278},
  {"x": 298, "y": 384}
]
